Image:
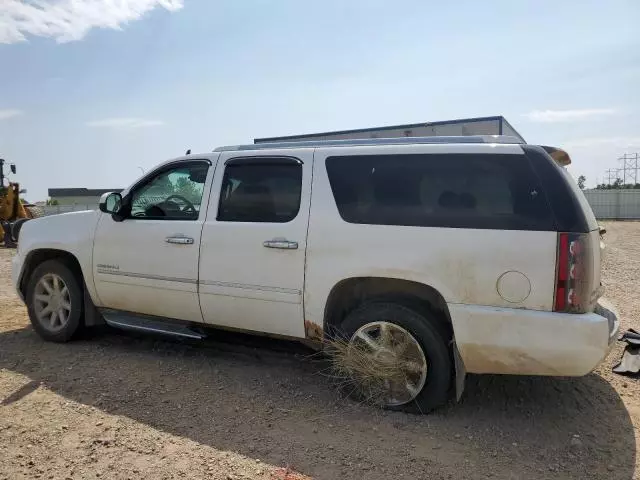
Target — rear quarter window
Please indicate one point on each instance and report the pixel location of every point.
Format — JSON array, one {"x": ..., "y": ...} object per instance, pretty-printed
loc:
[
  {"x": 483, "y": 191},
  {"x": 590, "y": 218},
  {"x": 568, "y": 204}
]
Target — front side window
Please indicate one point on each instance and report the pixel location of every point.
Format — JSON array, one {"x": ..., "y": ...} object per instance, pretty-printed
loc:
[
  {"x": 260, "y": 191},
  {"x": 440, "y": 190},
  {"x": 172, "y": 194}
]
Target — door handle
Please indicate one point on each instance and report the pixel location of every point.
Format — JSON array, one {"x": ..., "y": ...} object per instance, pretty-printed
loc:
[
  {"x": 178, "y": 240},
  {"x": 281, "y": 243}
]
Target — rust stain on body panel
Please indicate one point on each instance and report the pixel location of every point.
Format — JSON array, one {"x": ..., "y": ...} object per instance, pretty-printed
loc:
[{"x": 313, "y": 331}]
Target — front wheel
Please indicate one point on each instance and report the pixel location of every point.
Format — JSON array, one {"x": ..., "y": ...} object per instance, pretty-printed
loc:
[
  {"x": 395, "y": 357},
  {"x": 54, "y": 301}
]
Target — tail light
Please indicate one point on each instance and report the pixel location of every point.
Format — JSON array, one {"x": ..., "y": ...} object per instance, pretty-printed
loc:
[{"x": 574, "y": 272}]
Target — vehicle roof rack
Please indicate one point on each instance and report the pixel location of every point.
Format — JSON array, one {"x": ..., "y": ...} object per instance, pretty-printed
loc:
[{"x": 374, "y": 141}]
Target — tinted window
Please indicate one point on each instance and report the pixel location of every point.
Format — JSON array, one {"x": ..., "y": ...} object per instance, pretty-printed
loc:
[
  {"x": 172, "y": 194},
  {"x": 260, "y": 193},
  {"x": 452, "y": 190},
  {"x": 565, "y": 201}
]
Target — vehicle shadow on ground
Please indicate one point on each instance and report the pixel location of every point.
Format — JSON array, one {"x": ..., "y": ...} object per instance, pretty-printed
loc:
[{"x": 266, "y": 399}]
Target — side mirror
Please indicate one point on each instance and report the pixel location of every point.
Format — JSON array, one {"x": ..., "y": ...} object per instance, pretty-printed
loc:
[
  {"x": 110, "y": 202},
  {"x": 12, "y": 167}
]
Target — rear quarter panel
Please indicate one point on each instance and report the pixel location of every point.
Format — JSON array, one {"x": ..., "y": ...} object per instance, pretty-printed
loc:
[{"x": 464, "y": 265}]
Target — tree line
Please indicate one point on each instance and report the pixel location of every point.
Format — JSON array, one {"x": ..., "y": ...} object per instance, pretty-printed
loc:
[{"x": 616, "y": 185}]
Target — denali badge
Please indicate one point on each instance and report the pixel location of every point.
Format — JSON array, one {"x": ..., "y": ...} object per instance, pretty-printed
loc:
[{"x": 108, "y": 267}]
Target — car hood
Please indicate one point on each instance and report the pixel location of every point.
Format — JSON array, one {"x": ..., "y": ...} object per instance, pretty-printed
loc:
[
  {"x": 59, "y": 231},
  {"x": 65, "y": 218}
]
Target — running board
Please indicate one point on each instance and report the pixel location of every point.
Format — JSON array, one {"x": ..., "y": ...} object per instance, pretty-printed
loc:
[{"x": 130, "y": 321}]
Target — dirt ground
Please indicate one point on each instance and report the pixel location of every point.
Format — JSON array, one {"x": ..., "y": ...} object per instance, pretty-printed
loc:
[{"x": 127, "y": 407}]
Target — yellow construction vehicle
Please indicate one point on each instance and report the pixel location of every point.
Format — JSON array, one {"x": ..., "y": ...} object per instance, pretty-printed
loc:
[{"x": 13, "y": 213}]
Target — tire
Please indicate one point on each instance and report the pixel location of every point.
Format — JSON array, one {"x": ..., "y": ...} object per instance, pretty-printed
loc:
[
  {"x": 65, "y": 325},
  {"x": 426, "y": 335}
]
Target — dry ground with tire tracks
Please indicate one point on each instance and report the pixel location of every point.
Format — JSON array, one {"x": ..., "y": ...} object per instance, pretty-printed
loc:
[{"x": 121, "y": 406}]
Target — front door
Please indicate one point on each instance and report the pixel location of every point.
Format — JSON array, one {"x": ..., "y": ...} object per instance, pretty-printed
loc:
[
  {"x": 148, "y": 263},
  {"x": 254, "y": 241}
]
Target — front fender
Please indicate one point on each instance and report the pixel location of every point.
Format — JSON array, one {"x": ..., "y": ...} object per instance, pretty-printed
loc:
[{"x": 71, "y": 233}]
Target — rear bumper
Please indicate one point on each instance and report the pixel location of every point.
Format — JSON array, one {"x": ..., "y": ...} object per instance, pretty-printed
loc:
[
  {"x": 605, "y": 309},
  {"x": 530, "y": 342}
]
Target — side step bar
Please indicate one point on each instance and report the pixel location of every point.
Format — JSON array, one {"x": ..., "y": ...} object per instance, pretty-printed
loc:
[{"x": 130, "y": 321}]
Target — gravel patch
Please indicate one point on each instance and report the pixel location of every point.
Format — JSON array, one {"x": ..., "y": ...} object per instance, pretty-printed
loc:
[{"x": 122, "y": 406}]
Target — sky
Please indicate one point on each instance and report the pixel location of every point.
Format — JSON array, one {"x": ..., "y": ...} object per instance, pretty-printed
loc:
[{"x": 93, "y": 91}]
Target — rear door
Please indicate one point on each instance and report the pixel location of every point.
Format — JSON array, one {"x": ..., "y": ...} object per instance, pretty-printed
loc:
[{"x": 252, "y": 257}]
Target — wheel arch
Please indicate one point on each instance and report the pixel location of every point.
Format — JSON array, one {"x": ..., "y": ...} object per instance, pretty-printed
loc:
[
  {"x": 38, "y": 256},
  {"x": 349, "y": 293}
]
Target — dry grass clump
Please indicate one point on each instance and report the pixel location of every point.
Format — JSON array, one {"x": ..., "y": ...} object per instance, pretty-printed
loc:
[{"x": 362, "y": 375}]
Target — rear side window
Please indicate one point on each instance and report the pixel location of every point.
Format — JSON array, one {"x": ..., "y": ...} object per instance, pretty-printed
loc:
[
  {"x": 439, "y": 190},
  {"x": 262, "y": 192}
]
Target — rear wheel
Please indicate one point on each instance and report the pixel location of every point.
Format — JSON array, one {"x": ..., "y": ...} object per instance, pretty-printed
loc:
[
  {"x": 54, "y": 301},
  {"x": 395, "y": 357}
]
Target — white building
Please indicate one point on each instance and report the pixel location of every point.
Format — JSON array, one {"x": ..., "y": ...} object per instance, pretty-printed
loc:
[{"x": 497, "y": 125}]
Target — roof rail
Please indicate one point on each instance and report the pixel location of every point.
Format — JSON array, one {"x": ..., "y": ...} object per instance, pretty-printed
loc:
[{"x": 374, "y": 141}]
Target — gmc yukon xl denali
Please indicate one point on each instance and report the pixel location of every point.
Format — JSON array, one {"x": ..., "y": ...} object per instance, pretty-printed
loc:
[{"x": 439, "y": 256}]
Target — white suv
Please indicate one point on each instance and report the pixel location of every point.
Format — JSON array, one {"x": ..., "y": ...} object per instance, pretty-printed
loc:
[{"x": 441, "y": 255}]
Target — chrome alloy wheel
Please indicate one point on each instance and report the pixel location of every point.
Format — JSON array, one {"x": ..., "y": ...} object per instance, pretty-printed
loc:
[
  {"x": 52, "y": 302},
  {"x": 398, "y": 357}
]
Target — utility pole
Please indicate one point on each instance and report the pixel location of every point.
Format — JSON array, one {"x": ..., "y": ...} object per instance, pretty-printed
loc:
[
  {"x": 623, "y": 159},
  {"x": 630, "y": 163}
]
